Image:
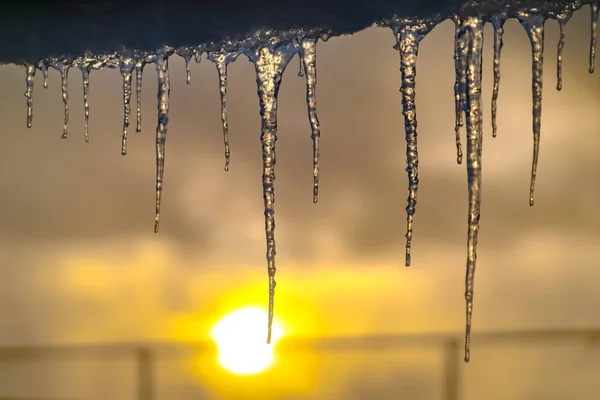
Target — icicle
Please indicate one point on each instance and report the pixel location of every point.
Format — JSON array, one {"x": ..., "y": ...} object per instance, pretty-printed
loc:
[
  {"x": 562, "y": 21},
  {"x": 460, "y": 84},
  {"x": 29, "y": 77},
  {"x": 162, "y": 70},
  {"x": 127, "y": 66},
  {"x": 221, "y": 60},
  {"x": 534, "y": 25},
  {"x": 139, "y": 70},
  {"x": 408, "y": 37},
  {"x": 85, "y": 72},
  {"x": 188, "y": 72},
  {"x": 498, "y": 24},
  {"x": 594, "y": 10},
  {"x": 308, "y": 60},
  {"x": 474, "y": 33},
  {"x": 44, "y": 68},
  {"x": 198, "y": 54},
  {"x": 269, "y": 65},
  {"x": 63, "y": 68},
  {"x": 300, "y": 66}
]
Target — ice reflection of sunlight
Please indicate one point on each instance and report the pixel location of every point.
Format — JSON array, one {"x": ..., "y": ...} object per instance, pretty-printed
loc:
[{"x": 241, "y": 341}]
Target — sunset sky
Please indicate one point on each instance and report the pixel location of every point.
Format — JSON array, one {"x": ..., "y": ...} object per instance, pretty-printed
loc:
[{"x": 81, "y": 263}]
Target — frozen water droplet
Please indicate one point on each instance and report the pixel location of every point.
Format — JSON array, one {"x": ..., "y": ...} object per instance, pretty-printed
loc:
[
  {"x": 594, "y": 29},
  {"x": 408, "y": 37},
  {"x": 127, "y": 66},
  {"x": 221, "y": 60},
  {"x": 308, "y": 60},
  {"x": 162, "y": 70},
  {"x": 270, "y": 65},
  {"x": 29, "y": 78},
  {"x": 474, "y": 33},
  {"x": 85, "y": 72},
  {"x": 139, "y": 71},
  {"x": 498, "y": 24},
  {"x": 562, "y": 21},
  {"x": 534, "y": 25},
  {"x": 460, "y": 84}
]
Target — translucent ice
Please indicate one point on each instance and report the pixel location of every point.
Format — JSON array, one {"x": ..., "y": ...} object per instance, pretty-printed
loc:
[
  {"x": 408, "y": 35},
  {"x": 534, "y": 25},
  {"x": 221, "y": 60},
  {"x": 308, "y": 60},
  {"x": 162, "y": 70},
  {"x": 29, "y": 76},
  {"x": 270, "y": 64}
]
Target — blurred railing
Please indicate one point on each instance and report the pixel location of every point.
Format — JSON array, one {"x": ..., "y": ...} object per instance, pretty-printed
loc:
[{"x": 451, "y": 345}]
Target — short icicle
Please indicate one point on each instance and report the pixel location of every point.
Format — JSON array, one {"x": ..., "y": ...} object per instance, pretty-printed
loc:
[
  {"x": 270, "y": 64},
  {"x": 188, "y": 71},
  {"x": 594, "y": 34},
  {"x": 43, "y": 66},
  {"x": 408, "y": 35},
  {"x": 127, "y": 66},
  {"x": 63, "y": 68},
  {"x": 474, "y": 30},
  {"x": 139, "y": 70},
  {"x": 308, "y": 60},
  {"x": 162, "y": 70},
  {"x": 85, "y": 73},
  {"x": 498, "y": 24},
  {"x": 29, "y": 78},
  {"x": 534, "y": 25},
  {"x": 221, "y": 60},
  {"x": 460, "y": 84},
  {"x": 562, "y": 20}
]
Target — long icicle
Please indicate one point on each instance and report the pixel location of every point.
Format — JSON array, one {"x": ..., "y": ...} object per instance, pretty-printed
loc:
[
  {"x": 29, "y": 78},
  {"x": 139, "y": 71},
  {"x": 270, "y": 65},
  {"x": 498, "y": 24},
  {"x": 308, "y": 59},
  {"x": 593, "y": 34},
  {"x": 164, "y": 89},
  {"x": 85, "y": 73},
  {"x": 127, "y": 66},
  {"x": 534, "y": 25},
  {"x": 460, "y": 84},
  {"x": 562, "y": 20},
  {"x": 64, "y": 80},
  {"x": 474, "y": 27},
  {"x": 221, "y": 60},
  {"x": 408, "y": 38}
]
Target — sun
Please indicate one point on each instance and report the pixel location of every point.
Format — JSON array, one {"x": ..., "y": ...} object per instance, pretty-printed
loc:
[{"x": 241, "y": 338}]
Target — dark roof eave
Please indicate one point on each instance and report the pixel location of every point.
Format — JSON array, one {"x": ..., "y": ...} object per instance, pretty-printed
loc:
[{"x": 36, "y": 30}]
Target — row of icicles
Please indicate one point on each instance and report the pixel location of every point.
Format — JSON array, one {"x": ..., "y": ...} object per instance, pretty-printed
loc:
[{"x": 270, "y": 63}]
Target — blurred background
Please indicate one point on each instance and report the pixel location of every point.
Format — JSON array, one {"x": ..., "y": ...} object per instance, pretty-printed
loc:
[{"x": 81, "y": 264}]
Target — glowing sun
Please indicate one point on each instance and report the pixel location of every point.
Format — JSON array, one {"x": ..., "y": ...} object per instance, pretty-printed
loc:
[{"x": 241, "y": 338}]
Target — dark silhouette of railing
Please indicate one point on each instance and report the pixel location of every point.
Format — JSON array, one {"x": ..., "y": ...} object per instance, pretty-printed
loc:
[{"x": 145, "y": 355}]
